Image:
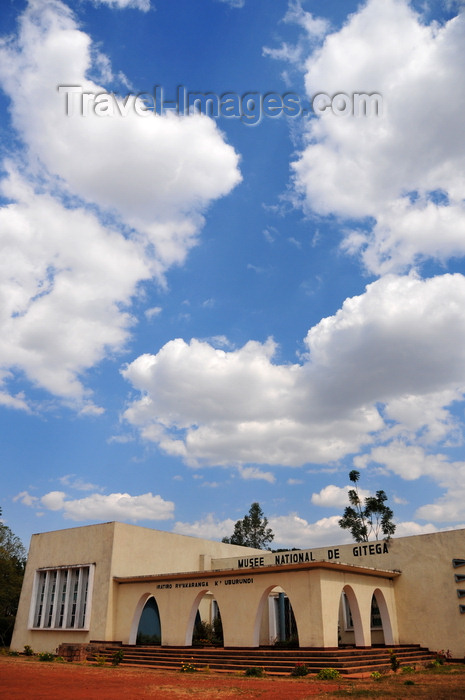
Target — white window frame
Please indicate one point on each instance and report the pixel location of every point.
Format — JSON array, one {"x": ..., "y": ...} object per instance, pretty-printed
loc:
[{"x": 45, "y": 609}]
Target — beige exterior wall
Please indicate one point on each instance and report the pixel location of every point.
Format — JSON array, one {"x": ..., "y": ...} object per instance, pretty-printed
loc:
[
  {"x": 116, "y": 549},
  {"x": 243, "y": 603},
  {"x": 142, "y": 551},
  {"x": 420, "y": 605},
  {"x": 79, "y": 546},
  {"x": 428, "y": 607}
]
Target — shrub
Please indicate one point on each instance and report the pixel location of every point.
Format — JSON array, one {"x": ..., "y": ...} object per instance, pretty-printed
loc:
[
  {"x": 28, "y": 651},
  {"x": 408, "y": 669},
  {"x": 117, "y": 657},
  {"x": 395, "y": 663},
  {"x": 12, "y": 652},
  {"x": 187, "y": 667},
  {"x": 328, "y": 674},
  {"x": 100, "y": 660},
  {"x": 443, "y": 655},
  {"x": 202, "y": 643},
  {"x": 255, "y": 672},
  {"x": 46, "y": 656},
  {"x": 300, "y": 670},
  {"x": 376, "y": 675},
  {"x": 409, "y": 682},
  {"x": 207, "y": 635}
]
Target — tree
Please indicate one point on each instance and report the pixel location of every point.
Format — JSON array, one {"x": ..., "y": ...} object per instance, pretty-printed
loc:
[
  {"x": 369, "y": 519},
  {"x": 252, "y": 530},
  {"x": 12, "y": 564}
]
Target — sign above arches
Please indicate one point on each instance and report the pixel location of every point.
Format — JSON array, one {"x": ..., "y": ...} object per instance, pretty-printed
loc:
[{"x": 342, "y": 554}]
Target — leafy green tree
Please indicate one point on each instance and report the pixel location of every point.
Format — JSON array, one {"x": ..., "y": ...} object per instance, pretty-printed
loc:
[
  {"x": 12, "y": 564},
  {"x": 252, "y": 530},
  {"x": 371, "y": 518}
]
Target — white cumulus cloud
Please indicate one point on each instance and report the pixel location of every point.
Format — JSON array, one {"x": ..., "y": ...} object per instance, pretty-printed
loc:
[
  {"x": 254, "y": 473},
  {"x": 113, "y": 506},
  {"x": 65, "y": 285},
  {"x": 100, "y": 507},
  {"x": 411, "y": 462},
  {"x": 67, "y": 275},
  {"x": 234, "y": 3},
  {"x": 208, "y": 528},
  {"x": 410, "y": 180},
  {"x": 172, "y": 167},
  {"x": 332, "y": 496},
  {"x": 26, "y": 498},
  {"x": 143, "y": 5},
  {"x": 294, "y": 531},
  {"x": 384, "y": 347}
]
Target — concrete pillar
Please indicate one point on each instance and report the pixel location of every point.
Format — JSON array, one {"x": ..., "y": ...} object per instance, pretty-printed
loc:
[
  {"x": 282, "y": 618},
  {"x": 305, "y": 593}
]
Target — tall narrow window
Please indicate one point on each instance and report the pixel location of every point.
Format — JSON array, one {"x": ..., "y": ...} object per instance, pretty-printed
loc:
[
  {"x": 376, "y": 622},
  {"x": 39, "y": 608},
  {"x": 82, "y": 603},
  {"x": 61, "y": 599},
  {"x": 52, "y": 582}
]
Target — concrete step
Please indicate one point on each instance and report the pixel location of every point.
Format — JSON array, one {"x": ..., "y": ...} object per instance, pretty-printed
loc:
[{"x": 273, "y": 661}]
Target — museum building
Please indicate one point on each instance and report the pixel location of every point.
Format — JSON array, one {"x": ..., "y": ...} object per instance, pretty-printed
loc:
[{"x": 119, "y": 582}]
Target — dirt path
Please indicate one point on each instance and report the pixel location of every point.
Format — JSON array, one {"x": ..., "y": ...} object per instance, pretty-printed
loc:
[
  {"x": 30, "y": 679},
  {"x": 23, "y": 678}
]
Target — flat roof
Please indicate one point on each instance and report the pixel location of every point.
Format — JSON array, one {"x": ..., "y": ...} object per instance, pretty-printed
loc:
[{"x": 257, "y": 571}]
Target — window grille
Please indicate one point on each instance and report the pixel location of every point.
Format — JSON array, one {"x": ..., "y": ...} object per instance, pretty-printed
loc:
[{"x": 61, "y": 598}]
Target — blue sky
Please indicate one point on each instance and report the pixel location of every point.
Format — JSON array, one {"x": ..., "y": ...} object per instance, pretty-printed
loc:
[{"x": 198, "y": 313}]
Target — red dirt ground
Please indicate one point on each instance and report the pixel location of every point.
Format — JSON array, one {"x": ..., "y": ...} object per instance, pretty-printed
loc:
[
  {"x": 30, "y": 679},
  {"x": 27, "y": 678}
]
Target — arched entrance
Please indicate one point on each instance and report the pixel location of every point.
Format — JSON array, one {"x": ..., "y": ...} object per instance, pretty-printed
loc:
[
  {"x": 146, "y": 625},
  {"x": 381, "y": 628},
  {"x": 207, "y": 627},
  {"x": 350, "y": 623},
  {"x": 276, "y": 623},
  {"x": 149, "y": 629},
  {"x": 350, "y": 631}
]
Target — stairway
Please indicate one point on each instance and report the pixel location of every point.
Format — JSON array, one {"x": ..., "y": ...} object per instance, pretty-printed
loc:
[{"x": 347, "y": 661}]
